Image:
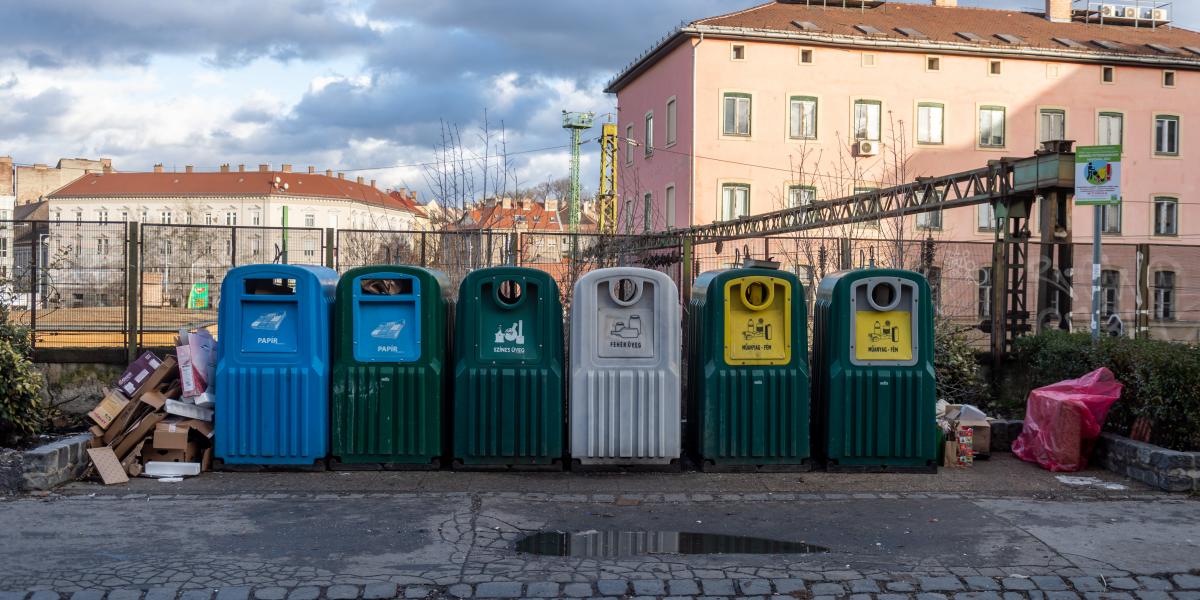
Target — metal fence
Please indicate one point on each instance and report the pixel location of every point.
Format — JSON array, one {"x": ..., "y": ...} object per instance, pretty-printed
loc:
[{"x": 118, "y": 287}]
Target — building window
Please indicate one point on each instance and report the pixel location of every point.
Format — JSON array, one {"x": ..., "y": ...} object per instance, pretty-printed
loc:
[
  {"x": 208, "y": 218},
  {"x": 1110, "y": 292},
  {"x": 670, "y": 207},
  {"x": 933, "y": 63},
  {"x": 931, "y": 122},
  {"x": 1052, "y": 124},
  {"x": 868, "y": 59},
  {"x": 125, "y": 216},
  {"x": 995, "y": 67},
  {"x": 1169, "y": 79},
  {"x": 931, "y": 220},
  {"x": 310, "y": 220},
  {"x": 1166, "y": 135},
  {"x": 806, "y": 57},
  {"x": 3, "y": 247},
  {"x": 738, "y": 52},
  {"x": 985, "y": 293},
  {"x": 255, "y": 247},
  {"x": 987, "y": 217},
  {"x": 1110, "y": 218},
  {"x": 867, "y": 119},
  {"x": 735, "y": 201},
  {"x": 737, "y": 114},
  {"x": 231, "y": 217},
  {"x": 1164, "y": 296},
  {"x": 629, "y": 144},
  {"x": 102, "y": 246},
  {"x": 672, "y": 117},
  {"x": 310, "y": 248},
  {"x": 255, "y": 218},
  {"x": 801, "y": 195},
  {"x": 991, "y": 126},
  {"x": 647, "y": 211},
  {"x": 648, "y": 145},
  {"x": 58, "y": 215},
  {"x": 79, "y": 217},
  {"x": 1108, "y": 74},
  {"x": 187, "y": 217},
  {"x": 1166, "y": 215},
  {"x": 1111, "y": 129},
  {"x": 802, "y": 118},
  {"x": 1051, "y": 71},
  {"x": 165, "y": 217},
  {"x": 102, "y": 215},
  {"x": 166, "y": 247}
]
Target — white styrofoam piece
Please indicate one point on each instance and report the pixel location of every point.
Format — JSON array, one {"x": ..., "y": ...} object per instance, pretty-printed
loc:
[
  {"x": 191, "y": 411},
  {"x": 157, "y": 468},
  {"x": 170, "y": 479},
  {"x": 205, "y": 399}
]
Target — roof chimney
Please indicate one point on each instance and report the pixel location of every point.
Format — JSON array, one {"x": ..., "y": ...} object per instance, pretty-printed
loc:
[
  {"x": 106, "y": 163},
  {"x": 946, "y": 3},
  {"x": 359, "y": 180},
  {"x": 263, "y": 168},
  {"x": 158, "y": 168},
  {"x": 1058, "y": 11},
  {"x": 329, "y": 172},
  {"x": 286, "y": 168},
  {"x": 225, "y": 168},
  {"x": 341, "y": 175},
  {"x": 241, "y": 168},
  {"x": 187, "y": 168},
  {"x": 311, "y": 169},
  {"x": 372, "y": 183},
  {"x": 506, "y": 202}
]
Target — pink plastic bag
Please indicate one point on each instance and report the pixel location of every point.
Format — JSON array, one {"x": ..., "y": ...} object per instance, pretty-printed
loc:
[{"x": 1063, "y": 420}]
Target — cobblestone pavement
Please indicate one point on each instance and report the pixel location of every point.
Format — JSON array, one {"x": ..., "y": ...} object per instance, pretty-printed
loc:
[{"x": 375, "y": 546}]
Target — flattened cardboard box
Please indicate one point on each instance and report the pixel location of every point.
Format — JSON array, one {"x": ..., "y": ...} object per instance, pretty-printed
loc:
[
  {"x": 137, "y": 372},
  {"x": 108, "y": 409},
  {"x": 166, "y": 369}
]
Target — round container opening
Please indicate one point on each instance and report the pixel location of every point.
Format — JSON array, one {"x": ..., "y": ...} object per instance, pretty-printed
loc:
[
  {"x": 625, "y": 291},
  {"x": 510, "y": 292},
  {"x": 884, "y": 296},
  {"x": 757, "y": 295}
]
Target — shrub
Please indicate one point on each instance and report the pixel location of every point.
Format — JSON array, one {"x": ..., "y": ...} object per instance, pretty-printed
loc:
[
  {"x": 1162, "y": 379},
  {"x": 22, "y": 412},
  {"x": 958, "y": 378}
]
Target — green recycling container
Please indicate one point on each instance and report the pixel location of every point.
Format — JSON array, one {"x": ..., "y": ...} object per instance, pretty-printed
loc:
[
  {"x": 874, "y": 391},
  {"x": 389, "y": 366},
  {"x": 748, "y": 370},
  {"x": 508, "y": 370}
]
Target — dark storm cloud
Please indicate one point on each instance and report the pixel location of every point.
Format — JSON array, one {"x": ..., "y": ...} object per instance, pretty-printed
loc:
[{"x": 59, "y": 33}]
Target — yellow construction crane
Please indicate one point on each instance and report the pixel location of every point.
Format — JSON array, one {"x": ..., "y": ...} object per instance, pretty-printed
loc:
[{"x": 606, "y": 197}]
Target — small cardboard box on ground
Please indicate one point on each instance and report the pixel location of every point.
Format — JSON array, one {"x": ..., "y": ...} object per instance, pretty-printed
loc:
[
  {"x": 145, "y": 435},
  {"x": 965, "y": 415}
]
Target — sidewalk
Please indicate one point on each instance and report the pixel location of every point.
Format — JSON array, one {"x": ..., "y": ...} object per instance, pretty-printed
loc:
[{"x": 1001, "y": 529}]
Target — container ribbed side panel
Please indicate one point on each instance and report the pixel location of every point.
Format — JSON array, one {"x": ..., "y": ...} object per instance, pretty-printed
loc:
[
  {"x": 509, "y": 416},
  {"x": 630, "y": 414},
  {"x": 881, "y": 415},
  {"x": 757, "y": 416},
  {"x": 276, "y": 416},
  {"x": 387, "y": 413}
]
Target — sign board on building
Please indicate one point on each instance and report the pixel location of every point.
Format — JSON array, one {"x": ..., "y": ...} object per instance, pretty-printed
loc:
[{"x": 1098, "y": 175}]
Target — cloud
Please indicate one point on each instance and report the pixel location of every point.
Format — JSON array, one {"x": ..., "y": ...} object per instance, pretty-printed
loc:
[{"x": 53, "y": 34}]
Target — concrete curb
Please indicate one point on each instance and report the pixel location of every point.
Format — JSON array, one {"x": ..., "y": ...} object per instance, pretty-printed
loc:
[
  {"x": 45, "y": 467},
  {"x": 1165, "y": 469}
]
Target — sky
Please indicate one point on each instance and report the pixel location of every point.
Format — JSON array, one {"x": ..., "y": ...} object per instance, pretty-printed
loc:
[{"x": 357, "y": 86}]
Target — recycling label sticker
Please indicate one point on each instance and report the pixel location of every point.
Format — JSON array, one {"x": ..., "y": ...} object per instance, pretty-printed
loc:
[
  {"x": 626, "y": 334},
  {"x": 758, "y": 335},
  {"x": 883, "y": 336}
]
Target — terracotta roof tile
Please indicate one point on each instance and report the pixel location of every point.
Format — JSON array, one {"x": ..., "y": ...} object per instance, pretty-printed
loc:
[
  {"x": 235, "y": 183},
  {"x": 944, "y": 24}
]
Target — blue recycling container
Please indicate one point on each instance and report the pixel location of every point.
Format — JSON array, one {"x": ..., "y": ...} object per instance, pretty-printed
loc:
[{"x": 273, "y": 365}]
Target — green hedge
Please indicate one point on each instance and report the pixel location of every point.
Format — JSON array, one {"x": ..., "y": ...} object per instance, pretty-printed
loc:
[{"x": 1162, "y": 380}]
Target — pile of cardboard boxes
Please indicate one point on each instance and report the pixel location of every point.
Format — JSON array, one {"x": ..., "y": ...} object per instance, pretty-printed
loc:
[
  {"x": 967, "y": 433},
  {"x": 148, "y": 426}
]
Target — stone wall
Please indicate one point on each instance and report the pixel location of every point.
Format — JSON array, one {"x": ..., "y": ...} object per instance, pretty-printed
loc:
[
  {"x": 75, "y": 388},
  {"x": 1162, "y": 468},
  {"x": 44, "y": 467}
]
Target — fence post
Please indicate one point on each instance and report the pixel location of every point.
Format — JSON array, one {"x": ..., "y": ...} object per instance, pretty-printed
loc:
[
  {"x": 999, "y": 297},
  {"x": 233, "y": 246},
  {"x": 330, "y": 240},
  {"x": 685, "y": 284},
  {"x": 1143, "y": 301},
  {"x": 847, "y": 253},
  {"x": 133, "y": 289},
  {"x": 423, "y": 259}
]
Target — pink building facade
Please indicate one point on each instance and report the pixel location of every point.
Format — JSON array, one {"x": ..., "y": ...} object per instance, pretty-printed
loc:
[{"x": 785, "y": 103}]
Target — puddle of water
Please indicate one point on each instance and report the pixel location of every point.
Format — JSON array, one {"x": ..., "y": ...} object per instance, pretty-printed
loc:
[{"x": 615, "y": 544}]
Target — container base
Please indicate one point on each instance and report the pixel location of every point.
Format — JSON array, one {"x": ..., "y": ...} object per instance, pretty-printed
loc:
[
  {"x": 708, "y": 466},
  {"x": 337, "y": 465},
  {"x": 675, "y": 466},
  {"x": 316, "y": 467},
  {"x": 554, "y": 466},
  {"x": 910, "y": 469}
]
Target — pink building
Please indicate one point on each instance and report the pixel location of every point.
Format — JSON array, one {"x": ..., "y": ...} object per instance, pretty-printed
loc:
[{"x": 793, "y": 100}]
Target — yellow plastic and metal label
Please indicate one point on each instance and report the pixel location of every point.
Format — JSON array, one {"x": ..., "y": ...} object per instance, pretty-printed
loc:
[
  {"x": 758, "y": 321},
  {"x": 883, "y": 335}
]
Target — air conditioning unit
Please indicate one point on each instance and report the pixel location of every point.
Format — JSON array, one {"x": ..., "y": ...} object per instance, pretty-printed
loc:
[
  {"x": 1130, "y": 12},
  {"x": 866, "y": 148},
  {"x": 1110, "y": 10},
  {"x": 1159, "y": 14}
]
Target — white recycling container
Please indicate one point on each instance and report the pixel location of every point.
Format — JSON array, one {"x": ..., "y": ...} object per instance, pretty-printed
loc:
[{"x": 625, "y": 368}]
